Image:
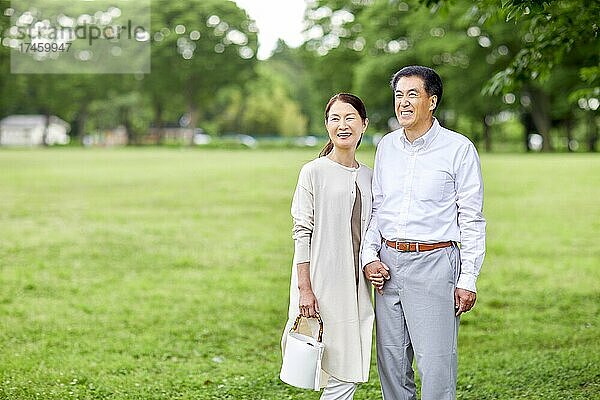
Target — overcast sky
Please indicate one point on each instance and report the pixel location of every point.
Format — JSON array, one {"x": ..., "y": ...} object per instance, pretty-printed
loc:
[{"x": 275, "y": 19}]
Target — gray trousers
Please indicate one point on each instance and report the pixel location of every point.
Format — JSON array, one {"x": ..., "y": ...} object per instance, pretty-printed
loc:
[{"x": 415, "y": 317}]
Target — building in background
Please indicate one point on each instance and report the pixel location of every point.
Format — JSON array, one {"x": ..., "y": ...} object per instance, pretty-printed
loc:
[
  {"x": 107, "y": 138},
  {"x": 33, "y": 130}
]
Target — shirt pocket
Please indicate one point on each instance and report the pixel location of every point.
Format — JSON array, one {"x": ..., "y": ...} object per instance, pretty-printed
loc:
[{"x": 432, "y": 185}]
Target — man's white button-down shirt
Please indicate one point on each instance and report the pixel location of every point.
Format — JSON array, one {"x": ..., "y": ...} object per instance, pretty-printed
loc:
[{"x": 429, "y": 191}]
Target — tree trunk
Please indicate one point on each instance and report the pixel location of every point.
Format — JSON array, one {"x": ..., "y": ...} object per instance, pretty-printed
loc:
[
  {"x": 592, "y": 132},
  {"x": 540, "y": 114},
  {"x": 194, "y": 117},
  {"x": 82, "y": 116},
  {"x": 46, "y": 129},
  {"x": 487, "y": 138},
  {"x": 158, "y": 121},
  {"x": 131, "y": 138},
  {"x": 569, "y": 130},
  {"x": 529, "y": 128}
]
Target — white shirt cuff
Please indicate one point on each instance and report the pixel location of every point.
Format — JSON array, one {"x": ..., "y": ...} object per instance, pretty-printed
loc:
[
  {"x": 369, "y": 256},
  {"x": 467, "y": 282}
]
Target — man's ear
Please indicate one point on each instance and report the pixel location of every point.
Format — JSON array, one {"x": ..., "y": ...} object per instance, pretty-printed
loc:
[{"x": 432, "y": 102}]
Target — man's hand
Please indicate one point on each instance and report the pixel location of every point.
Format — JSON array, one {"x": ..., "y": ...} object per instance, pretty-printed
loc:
[
  {"x": 377, "y": 273},
  {"x": 464, "y": 300},
  {"x": 308, "y": 303}
]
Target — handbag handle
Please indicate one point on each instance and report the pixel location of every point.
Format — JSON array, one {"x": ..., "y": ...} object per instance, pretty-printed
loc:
[{"x": 318, "y": 317}]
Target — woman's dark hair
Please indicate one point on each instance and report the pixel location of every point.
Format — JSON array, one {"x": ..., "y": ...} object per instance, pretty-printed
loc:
[
  {"x": 355, "y": 102},
  {"x": 431, "y": 80}
]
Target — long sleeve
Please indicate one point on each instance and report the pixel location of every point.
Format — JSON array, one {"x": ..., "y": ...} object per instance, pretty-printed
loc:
[
  {"x": 372, "y": 240},
  {"x": 471, "y": 222},
  {"x": 303, "y": 216}
]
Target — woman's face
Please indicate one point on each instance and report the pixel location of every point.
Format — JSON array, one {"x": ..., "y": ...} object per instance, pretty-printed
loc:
[{"x": 344, "y": 125}]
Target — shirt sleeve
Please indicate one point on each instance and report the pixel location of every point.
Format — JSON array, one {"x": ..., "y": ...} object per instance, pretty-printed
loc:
[
  {"x": 471, "y": 222},
  {"x": 303, "y": 216},
  {"x": 372, "y": 241}
]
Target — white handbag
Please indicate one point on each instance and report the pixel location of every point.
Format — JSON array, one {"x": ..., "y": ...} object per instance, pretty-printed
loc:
[{"x": 302, "y": 359}]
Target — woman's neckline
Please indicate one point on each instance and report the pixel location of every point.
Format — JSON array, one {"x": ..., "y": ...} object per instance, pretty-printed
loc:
[{"x": 342, "y": 165}]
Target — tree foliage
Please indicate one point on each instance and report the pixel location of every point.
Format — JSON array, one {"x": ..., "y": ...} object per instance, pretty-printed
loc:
[
  {"x": 499, "y": 60},
  {"x": 533, "y": 65}
]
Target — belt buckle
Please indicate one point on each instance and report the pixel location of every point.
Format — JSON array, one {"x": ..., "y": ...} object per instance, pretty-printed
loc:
[{"x": 402, "y": 246}]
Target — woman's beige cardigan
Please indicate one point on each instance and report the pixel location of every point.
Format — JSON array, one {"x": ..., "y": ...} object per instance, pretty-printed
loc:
[{"x": 322, "y": 209}]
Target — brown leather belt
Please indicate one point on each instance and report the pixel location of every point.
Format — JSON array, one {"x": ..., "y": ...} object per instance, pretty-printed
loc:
[{"x": 415, "y": 246}]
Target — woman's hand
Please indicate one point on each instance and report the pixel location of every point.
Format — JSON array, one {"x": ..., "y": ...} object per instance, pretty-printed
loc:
[{"x": 308, "y": 303}]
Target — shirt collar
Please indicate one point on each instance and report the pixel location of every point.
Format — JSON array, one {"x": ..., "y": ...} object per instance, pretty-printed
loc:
[{"x": 425, "y": 140}]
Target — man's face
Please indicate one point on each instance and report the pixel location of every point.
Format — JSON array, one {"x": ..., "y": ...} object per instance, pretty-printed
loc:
[{"x": 414, "y": 108}]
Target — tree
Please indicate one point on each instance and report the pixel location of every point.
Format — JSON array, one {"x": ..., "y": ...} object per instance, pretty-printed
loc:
[
  {"x": 329, "y": 53},
  {"x": 264, "y": 106},
  {"x": 559, "y": 42},
  {"x": 476, "y": 51},
  {"x": 390, "y": 34},
  {"x": 198, "y": 48}
]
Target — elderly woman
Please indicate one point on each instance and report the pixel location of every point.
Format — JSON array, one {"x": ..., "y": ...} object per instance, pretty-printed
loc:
[{"x": 331, "y": 210}]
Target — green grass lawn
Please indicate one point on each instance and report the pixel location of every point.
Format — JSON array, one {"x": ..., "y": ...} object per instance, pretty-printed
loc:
[{"x": 164, "y": 274}]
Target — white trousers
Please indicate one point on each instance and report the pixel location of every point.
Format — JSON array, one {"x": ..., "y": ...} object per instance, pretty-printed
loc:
[{"x": 338, "y": 390}]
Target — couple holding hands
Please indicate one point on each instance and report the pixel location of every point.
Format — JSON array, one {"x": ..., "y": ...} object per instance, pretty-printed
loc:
[{"x": 412, "y": 228}]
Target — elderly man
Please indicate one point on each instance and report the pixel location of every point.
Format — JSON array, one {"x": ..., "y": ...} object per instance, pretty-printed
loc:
[{"x": 426, "y": 241}]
